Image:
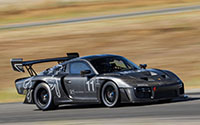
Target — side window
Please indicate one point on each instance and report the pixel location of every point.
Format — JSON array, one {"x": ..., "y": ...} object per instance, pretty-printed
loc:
[{"x": 77, "y": 67}]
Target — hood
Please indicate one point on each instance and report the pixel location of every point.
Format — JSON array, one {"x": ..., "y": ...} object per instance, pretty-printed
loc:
[{"x": 142, "y": 75}]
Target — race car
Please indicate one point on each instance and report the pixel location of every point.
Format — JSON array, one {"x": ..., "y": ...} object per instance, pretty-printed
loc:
[{"x": 97, "y": 79}]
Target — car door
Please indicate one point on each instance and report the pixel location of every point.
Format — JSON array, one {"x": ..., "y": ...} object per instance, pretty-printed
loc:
[{"x": 75, "y": 83}]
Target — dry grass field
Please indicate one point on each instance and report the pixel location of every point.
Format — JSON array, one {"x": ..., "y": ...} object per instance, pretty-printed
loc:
[
  {"x": 18, "y": 11},
  {"x": 166, "y": 41}
]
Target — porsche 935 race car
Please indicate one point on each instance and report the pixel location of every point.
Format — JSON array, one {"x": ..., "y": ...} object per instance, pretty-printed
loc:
[{"x": 107, "y": 79}]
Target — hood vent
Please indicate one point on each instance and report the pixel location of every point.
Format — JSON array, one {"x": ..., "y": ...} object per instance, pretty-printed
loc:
[
  {"x": 147, "y": 79},
  {"x": 144, "y": 78},
  {"x": 165, "y": 76}
]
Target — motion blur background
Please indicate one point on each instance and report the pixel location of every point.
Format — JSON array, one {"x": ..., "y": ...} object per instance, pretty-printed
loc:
[{"x": 165, "y": 41}]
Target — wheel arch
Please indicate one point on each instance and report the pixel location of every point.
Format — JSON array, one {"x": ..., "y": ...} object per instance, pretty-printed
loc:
[
  {"x": 119, "y": 83},
  {"x": 103, "y": 87},
  {"x": 102, "y": 83},
  {"x": 34, "y": 85},
  {"x": 50, "y": 104},
  {"x": 36, "y": 82}
]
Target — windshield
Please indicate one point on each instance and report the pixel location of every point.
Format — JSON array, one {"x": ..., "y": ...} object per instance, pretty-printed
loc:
[{"x": 113, "y": 64}]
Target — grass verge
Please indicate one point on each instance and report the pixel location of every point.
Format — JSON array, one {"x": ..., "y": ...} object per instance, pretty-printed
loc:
[{"x": 10, "y": 95}]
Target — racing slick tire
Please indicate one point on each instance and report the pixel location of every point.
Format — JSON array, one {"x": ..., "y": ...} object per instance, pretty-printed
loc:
[
  {"x": 110, "y": 95},
  {"x": 43, "y": 97}
]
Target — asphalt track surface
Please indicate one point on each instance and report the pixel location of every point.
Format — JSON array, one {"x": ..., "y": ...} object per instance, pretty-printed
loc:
[
  {"x": 96, "y": 18},
  {"x": 183, "y": 109}
]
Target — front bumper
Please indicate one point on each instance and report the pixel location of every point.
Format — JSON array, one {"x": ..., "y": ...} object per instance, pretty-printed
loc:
[{"x": 153, "y": 93}]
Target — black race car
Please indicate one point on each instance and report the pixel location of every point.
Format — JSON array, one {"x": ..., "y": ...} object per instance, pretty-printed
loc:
[{"x": 107, "y": 79}]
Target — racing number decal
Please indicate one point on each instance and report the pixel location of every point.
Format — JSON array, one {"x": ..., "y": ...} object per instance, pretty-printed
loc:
[{"x": 90, "y": 85}]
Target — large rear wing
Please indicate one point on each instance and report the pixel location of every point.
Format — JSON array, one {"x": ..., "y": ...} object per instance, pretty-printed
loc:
[{"x": 18, "y": 64}]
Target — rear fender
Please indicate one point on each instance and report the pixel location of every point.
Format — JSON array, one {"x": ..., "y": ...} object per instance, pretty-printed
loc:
[
  {"x": 26, "y": 86},
  {"x": 53, "y": 82}
]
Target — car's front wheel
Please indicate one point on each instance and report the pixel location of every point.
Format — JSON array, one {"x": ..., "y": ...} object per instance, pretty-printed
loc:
[
  {"x": 43, "y": 97},
  {"x": 110, "y": 94}
]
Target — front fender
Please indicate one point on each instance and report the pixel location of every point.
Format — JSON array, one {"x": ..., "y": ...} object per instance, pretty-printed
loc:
[
  {"x": 119, "y": 82},
  {"x": 171, "y": 74},
  {"x": 100, "y": 81}
]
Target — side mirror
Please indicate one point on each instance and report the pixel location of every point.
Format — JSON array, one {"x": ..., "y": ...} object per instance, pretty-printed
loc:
[
  {"x": 143, "y": 66},
  {"x": 85, "y": 72}
]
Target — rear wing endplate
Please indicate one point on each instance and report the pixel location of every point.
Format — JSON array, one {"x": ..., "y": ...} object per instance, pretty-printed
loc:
[{"x": 17, "y": 64}]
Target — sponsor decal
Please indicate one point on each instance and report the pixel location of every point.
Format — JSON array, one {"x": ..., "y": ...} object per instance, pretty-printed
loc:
[
  {"x": 27, "y": 83},
  {"x": 90, "y": 85},
  {"x": 54, "y": 85}
]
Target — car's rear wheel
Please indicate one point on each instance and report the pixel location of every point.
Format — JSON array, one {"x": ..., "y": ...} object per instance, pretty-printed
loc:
[
  {"x": 43, "y": 97},
  {"x": 110, "y": 94}
]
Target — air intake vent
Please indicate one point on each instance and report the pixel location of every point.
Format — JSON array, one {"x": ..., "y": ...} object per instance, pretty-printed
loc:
[
  {"x": 144, "y": 78},
  {"x": 147, "y": 79},
  {"x": 164, "y": 76}
]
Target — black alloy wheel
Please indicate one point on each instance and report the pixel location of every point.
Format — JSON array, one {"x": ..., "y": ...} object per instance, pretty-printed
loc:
[
  {"x": 43, "y": 97},
  {"x": 110, "y": 94}
]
